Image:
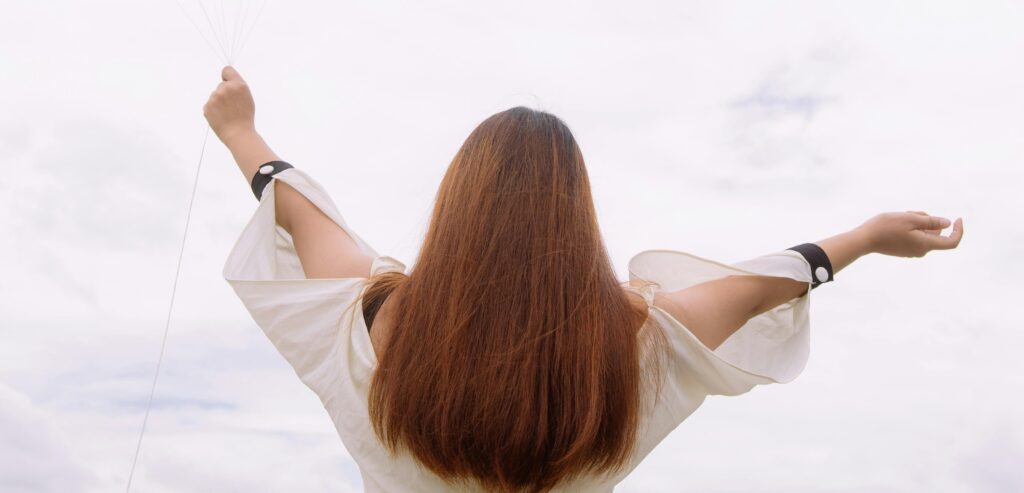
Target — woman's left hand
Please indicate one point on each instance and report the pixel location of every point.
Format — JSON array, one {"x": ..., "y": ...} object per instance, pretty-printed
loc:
[
  {"x": 231, "y": 110},
  {"x": 910, "y": 233}
]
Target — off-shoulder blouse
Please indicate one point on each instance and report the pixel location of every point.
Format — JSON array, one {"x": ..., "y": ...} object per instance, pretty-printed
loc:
[{"x": 318, "y": 327}]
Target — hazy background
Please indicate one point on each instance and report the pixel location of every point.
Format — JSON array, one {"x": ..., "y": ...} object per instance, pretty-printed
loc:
[{"x": 723, "y": 130}]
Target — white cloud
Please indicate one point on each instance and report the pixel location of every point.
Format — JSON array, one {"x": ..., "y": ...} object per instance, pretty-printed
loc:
[{"x": 36, "y": 455}]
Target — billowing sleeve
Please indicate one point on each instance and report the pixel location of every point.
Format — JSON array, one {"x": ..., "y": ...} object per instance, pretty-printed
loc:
[
  {"x": 309, "y": 321},
  {"x": 771, "y": 347}
]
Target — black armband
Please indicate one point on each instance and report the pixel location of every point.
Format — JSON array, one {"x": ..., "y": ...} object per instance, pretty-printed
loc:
[
  {"x": 821, "y": 267},
  {"x": 265, "y": 174}
]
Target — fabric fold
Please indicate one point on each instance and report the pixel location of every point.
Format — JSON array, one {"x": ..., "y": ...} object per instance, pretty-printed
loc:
[
  {"x": 311, "y": 322},
  {"x": 772, "y": 347}
]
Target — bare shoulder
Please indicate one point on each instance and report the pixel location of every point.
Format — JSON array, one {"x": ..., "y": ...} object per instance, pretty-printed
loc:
[{"x": 632, "y": 288}]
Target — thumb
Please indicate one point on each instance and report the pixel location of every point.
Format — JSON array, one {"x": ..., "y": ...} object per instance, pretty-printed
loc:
[
  {"x": 923, "y": 221},
  {"x": 229, "y": 73}
]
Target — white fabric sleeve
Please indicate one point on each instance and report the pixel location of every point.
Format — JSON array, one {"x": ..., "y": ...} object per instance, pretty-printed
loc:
[
  {"x": 309, "y": 321},
  {"x": 772, "y": 347}
]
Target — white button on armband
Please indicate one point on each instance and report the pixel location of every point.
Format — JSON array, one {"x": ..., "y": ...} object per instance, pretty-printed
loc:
[
  {"x": 265, "y": 174},
  {"x": 817, "y": 260},
  {"x": 821, "y": 274}
]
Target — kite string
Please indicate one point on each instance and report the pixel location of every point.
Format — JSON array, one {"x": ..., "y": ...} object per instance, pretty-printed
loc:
[
  {"x": 200, "y": 31},
  {"x": 170, "y": 309},
  {"x": 239, "y": 13},
  {"x": 252, "y": 27},
  {"x": 224, "y": 53},
  {"x": 227, "y": 55}
]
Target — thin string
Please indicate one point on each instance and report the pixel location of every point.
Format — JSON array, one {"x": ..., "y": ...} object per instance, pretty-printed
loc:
[
  {"x": 224, "y": 28},
  {"x": 200, "y": 31},
  {"x": 213, "y": 30},
  {"x": 170, "y": 309},
  {"x": 227, "y": 52},
  {"x": 245, "y": 11},
  {"x": 256, "y": 20},
  {"x": 239, "y": 17}
]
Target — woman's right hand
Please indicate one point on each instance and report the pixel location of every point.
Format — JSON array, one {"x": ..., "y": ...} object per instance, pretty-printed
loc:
[
  {"x": 231, "y": 110},
  {"x": 910, "y": 234}
]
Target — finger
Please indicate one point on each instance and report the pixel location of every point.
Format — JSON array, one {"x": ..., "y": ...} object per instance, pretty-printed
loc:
[
  {"x": 229, "y": 73},
  {"x": 929, "y": 231},
  {"x": 940, "y": 242},
  {"x": 927, "y": 222},
  {"x": 936, "y": 231}
]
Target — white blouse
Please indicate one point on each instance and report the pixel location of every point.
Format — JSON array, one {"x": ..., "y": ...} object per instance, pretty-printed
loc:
[{"x": 318, "y": 326}]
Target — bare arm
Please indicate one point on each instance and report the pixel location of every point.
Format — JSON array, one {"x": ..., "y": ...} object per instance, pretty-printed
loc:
[
  {"x": 714, "y": 310},
  {"x": 324, "y": 248},
  {"x": 842, "y": 250}
]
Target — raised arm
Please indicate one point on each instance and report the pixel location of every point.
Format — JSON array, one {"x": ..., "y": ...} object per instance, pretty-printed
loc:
[
  {"x": 324, "y": 248},
  {"x": 716, "y": 309}
]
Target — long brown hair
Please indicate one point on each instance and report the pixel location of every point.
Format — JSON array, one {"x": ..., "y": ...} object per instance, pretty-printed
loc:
[{"x": 513, "y": 357}]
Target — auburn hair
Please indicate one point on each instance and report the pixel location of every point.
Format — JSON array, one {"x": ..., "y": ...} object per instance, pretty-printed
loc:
[{"x": 514, "y": 356}]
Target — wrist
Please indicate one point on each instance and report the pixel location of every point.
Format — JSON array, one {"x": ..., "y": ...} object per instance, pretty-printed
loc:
[
  {"x": 239, "y": 136},
  {"x": 863, "y": 239}
]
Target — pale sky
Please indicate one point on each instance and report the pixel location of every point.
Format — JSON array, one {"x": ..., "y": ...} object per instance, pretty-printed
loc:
[{"x": 723, "y": 130}]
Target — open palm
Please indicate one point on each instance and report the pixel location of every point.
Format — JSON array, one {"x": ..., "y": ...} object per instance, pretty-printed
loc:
[{"x": 911, "y": 233}]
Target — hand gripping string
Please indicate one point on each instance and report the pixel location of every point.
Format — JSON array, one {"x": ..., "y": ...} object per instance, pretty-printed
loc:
[{"x": 170, "y": 309}]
